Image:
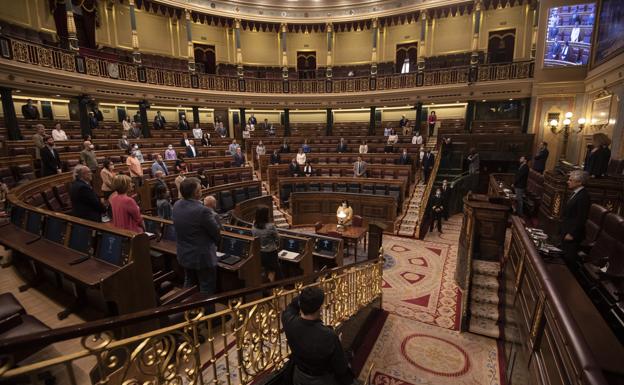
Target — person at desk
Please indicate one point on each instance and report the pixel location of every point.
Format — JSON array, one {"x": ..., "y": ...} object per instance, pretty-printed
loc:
[
  {"x": 198, "y": 133},
  {"x": 93, "y": 122},
  {"x": 301, "y": 157},
  {"x": 393, "y": 139},
  {"x": 198, "y": 236},
  {"x": 85, "y": 202},
  {"x": 342, "y": 146},
  {"x": 206, "y": 141},
  {"x": 275, "y": 157},
  {"x": 306, "y": 147},
  {"x": 417, "y": 138},
  {"x": 159, "y": 121},
  {"x": 404, "y": 159},
  {"x": 232, "y": 147},
  {"x": 539, "y": 160},
  {"x": 284, "y": 147},
  {"x": 269, "y": 242},
  {"x": 347, "y": 211},
  {"x": 170, "y": 153},
  {"x": 294, "y": 168},
  {"x": 123, "y": 143},
  {"x": 363, "y": 148},
  {"x": 307, "y": 169},
  {"x": 437, "y": 210},
  {"x": 183, "y": 124},
  {"x": 520, "y": 183},
  {"x": 58, "y": 133},
  {"x": 252, "y": 121},
  {"x": 137, "y": 117},
  {"x": 126, "y": 125},
  {"x": 239, "y": 158},
  {"x": 125, "y": 210},
  {"x": 359, "y": 168},
  {"x": 260, "y": 150},
  {"x": 574, "y": 217},
  {"x": 316, "y": 350},
  {"x": 30, "y": 111}
]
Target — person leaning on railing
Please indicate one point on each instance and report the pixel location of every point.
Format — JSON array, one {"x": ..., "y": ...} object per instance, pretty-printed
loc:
[{"x": 317, "y": 356}]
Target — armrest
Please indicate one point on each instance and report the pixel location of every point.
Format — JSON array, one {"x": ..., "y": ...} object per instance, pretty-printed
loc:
[{"x": 10, "y": 322}]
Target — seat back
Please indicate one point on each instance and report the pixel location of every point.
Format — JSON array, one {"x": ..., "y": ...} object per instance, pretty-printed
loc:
[
  {"x": 595, "y": 220},
  {"x": 605, "y": 245},
  {"x": 357, "y": 221}
]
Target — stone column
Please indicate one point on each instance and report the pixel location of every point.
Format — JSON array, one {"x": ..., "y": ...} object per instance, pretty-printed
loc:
[
  {"x": 535, "y": 11},
  {"x": 10, "y": 117},
  {"x": 237, "y": 46},
  {"x": 422, "y": 47},
  {"x": 419, "y": 110},
  {"x": 145, "y": 127},
  {"x": 330, "y": 49},
  {"x": 374, "y": 58},
  {"x": 474, "y": 56},
  {"x": 330, "y": 122},
  {"x": 286, "y": 122},
  {"x": 83, "y": 112},
  {"x": 189, "y": 41},
  {"x": 371, "y": 124},
  {"x": 72, "y": 36},
  {"x": 282, "y": 40},
  {"x": 136, "y": 55},
  {"x": 195, "y": 115}
]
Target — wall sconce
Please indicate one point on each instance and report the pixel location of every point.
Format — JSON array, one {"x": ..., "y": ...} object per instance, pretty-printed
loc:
[
  {"x": 581, "y": 125},
  {"x": 554, "y": 124}
]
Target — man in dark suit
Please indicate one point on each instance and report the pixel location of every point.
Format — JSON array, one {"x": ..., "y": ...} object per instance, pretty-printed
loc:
[
  {"x": 191, "y": 152},
  {"x": 198, "y": 234},
  {"x": 93, "y": 122},
  {"x": 404, "y": 158},
  {"x": 275, "y": 157},
  {"x": 284, "y": 147},
  {"x": 50, "y": 159},
  {"x": 239, "y": 158},
  {"x": 137, "y": 117},
  {"x": 427, "y": 164},
  {"x": 446, "y": 197},
  {"x": 29, "y": 110},
  {"x": 85, "y": 202},
  {"x": 159, "y": 121},
  {"x": 252, "y": 121},
  {"x": 437, "y": 210},
  {"x": 359, "y": 168},
  {"x": 342, "y": 146},
  {"x": 183, "y": 124},
  {"x": 574, "y": 217},
  {"x": 184, "y": 141},
  {"x": 539, "y": 160},
  {"x": 98, "y": 114},
  {"x": 293, "y": 168},
  {"x": 520, "y": 184}
]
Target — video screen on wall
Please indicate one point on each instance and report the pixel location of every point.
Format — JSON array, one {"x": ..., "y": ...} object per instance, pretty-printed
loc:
[{"x": 569, "y": 35}]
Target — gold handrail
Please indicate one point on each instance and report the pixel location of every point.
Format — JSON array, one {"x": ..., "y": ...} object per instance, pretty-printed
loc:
[
  {"x": 237, "y": 352},
  {"x": 427, "y": 193}
]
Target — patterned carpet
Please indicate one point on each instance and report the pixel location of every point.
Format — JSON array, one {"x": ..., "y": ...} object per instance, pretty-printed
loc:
[
  {"x": 412, "y": 353},
  {"x": 418, "y": 281}
]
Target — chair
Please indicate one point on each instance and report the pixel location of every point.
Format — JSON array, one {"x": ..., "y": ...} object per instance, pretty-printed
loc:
[
  {"x": 239, "y": 195},
  {"x": 604, "y": 249},
  {"x": 51, "y": 202},
  {"x": 227, "y": 203},
  {"x": 357, "y": 221},
  {"x": 317, "y": 227},
  {"x": 595, "y": 220},
  {"x": 253, "y": 191}
]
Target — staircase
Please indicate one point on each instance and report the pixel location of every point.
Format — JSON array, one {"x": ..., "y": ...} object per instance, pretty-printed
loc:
[
  {"x": 485, "y": 315},
  {"x": 409, "y": 221}
]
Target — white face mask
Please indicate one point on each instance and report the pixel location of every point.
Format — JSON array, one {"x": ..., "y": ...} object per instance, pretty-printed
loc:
[
  {"x": 91, "y": 147},
  {"x": 170, "y": 147}
]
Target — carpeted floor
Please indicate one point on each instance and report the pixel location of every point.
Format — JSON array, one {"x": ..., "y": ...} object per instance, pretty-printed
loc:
[{"x": 413, "y": 353}]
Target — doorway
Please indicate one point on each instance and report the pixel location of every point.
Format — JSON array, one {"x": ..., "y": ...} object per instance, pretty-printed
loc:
[
  {"x": 406, "y": 55},
  {"x": 306, "y": 64},
  {"x": 205, "y": 58},
  {"x": 501, "y": 46}
]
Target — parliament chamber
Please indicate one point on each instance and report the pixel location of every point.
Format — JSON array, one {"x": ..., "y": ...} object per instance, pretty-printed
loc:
[{"x": 312, "y": 192}]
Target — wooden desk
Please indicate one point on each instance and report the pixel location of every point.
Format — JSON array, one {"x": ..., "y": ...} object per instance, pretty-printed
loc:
[{"x": 351, "y": 234}]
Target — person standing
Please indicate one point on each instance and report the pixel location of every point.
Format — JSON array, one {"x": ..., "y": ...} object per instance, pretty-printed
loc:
[
  {"x": 135, "y": 131},
  {"x": 404, "y": 159},
  {"x": 198, "y": 236},
  {"x": 269, "y": 242},
  {"x": 473, "y": 169},
  {"x": 417, "y": 138},
  {"x": 342, "y": 146},
  {"x": 107, "y": 174},
  {"x": 276, "y": 157},
  {"x": 197, "y": 132},
  {"x": 359, "y": 168},
  {"x": 58, "y": 133},
  {"x": 431, "y": 122},
  {"x": 520, "y": 183},
  {"x": 159, "y": 121},
  {"x": 437, "y": 210},
  {"x": 284, "y": 147},
  {"x": 125, "y": 210},
  {"x": 363, "y": 148},
  {"x": 446, "y": 198},
  {"x": 136, "y": 171},
  {"x": 87, "y": 156},
  {"x": 540, "y": 159},
  {"x": 38, "y": 140},
  {"x": 170, "y": 153},
  {"x": 306, "y": 147},
  {"x": 181, "y": 178},
  {"x": 575, "y": 214},
  {"x": 191, "y": 151},
  {"x": 98, "y": 114},
  {"x": 260, "y": 150},
  {"x": 30, "y": 111},
  {"x": 159, "y": 165},
  {"x": 427, "y": 164},
  {"x": 93, "y": 122},
  {"x": 232, "y": 147},
  {"x": 239, "y": 158},
  {"x": 123, "y": 143},
  {"x": 404, "y": 125},
  {"x": 183, "y": 124},
  {"x": 126, "y": 124},
  {"x": 293, "y": 168},
  {"x": 85, "y": 202},
  {"x": 301, "y": 158},
  {"x": 50, "y": 159},
  {"x": 163, "y": 203},
  {"x": 307, "y": 169},
  {"x": 316, "y": 350}
]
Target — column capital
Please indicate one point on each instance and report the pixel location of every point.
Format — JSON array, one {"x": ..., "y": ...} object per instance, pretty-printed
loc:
[
  {"x": 187, "y": 14},
  {"x": 330, "y": 27},
  {"x": 131, "y": 3},
  {"x": 284, "y": 27},
  {"x": 237, "y": 23},
  {"x": 424, "y": 15},
  {"x": 477, "y": 5},
  {"x": 375, "y": 22}
]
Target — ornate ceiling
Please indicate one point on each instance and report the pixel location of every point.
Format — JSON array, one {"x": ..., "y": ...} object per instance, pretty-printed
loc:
[{"x": 306, "y": 11}]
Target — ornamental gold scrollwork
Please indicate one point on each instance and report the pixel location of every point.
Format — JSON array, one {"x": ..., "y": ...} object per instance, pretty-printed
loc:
[
  {"x": 45, "y": 56},
  {"x": 92, "y": 67},
  {"x": 556, "y": 208},
  {"x": 20, "y": 51},
  {"x": 68, "y": 62}
]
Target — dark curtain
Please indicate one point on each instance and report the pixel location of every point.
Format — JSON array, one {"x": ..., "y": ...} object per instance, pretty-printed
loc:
[
  {"x": 306, "y": 65},
  {"x": 85, "y": 23},
  {"x": 501, "y": 46},
  {"x": 406, "y": 51},
  {"x": 205, "y": 56}
]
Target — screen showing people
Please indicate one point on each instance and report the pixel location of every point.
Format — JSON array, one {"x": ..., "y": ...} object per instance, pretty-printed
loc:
[{"x": 569, "y": 35}]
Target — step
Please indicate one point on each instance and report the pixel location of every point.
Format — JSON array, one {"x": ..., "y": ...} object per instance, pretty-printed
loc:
[
  {"x": 485, "y": 281},
  {"x": 480, "y": 294},
  {"x": 486, "y": 267},
  {"x": 485, "y": 327},
  {"x": 484, "y": 310}
]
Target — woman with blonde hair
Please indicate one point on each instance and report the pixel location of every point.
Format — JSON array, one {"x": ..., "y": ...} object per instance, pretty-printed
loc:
[{"x": 126, "y": 212}]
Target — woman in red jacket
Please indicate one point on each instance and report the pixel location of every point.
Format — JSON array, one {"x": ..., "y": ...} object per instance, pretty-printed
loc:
[
  {"x": 431, "y": 120},
  {"x": 126, "y": 212}
]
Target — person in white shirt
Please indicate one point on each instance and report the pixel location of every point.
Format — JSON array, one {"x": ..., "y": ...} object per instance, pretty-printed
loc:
[
  {"x": 301, "y": 157},
  {"x": 393, "y": 138},
  {"x": 387, "y": 131},
  {"x": 126, "y": 124},
  {"x": 417, "y": 138},
  {"x": 139, "y": 154},
  {"x": 260, "y": 150},
  {"x": 197, "y": 132},
  {"x": 363, "y": 148},
  {"x": 58, "y": 133}
]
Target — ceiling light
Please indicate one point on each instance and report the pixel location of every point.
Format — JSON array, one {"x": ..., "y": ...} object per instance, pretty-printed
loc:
[
  {"x": 18, "y": 91},
  {"x": 483, "y": 100}
]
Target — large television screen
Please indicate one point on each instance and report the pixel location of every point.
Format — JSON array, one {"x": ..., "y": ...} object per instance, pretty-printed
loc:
[{"x": 569, "y": 35}]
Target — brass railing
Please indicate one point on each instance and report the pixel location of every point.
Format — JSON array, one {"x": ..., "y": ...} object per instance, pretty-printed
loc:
[
  {"x": 422, "y": 223},
  {"x": 250, "y": 345},
  {"x": 56, "y": 58}
]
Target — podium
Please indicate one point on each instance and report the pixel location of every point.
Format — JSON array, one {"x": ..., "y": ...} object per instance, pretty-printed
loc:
[{"x": 375, "y": 238}]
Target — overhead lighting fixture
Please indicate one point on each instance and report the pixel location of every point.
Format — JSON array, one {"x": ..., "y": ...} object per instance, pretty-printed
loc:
[
  {"x": 18, "y": 91},
  {"x": 483, "y": 100}
]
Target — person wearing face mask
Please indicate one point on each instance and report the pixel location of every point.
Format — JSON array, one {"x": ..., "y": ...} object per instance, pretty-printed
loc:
[
  {"x": 345, "y": 209},
  {"x": 136, "y": 171},
  {"x": 170, "y": 153},
  {"x": 437, "y": 210},
  {"x": 138, "y": 153},
  {"x": 124, "y": 143},
  {"x": 107, "y": 174},
  {"x": 87, "y": 156}
]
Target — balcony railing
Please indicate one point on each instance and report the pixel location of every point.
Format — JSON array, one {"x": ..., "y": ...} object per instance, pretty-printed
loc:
[{"x": 56, "y": 58}]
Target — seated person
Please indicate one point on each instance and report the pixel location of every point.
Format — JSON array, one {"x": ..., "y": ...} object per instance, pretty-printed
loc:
[
  {"x": 307, "y": 169},
  {"x": 306, "y": 147},
  {"x": 293, "y": 168},
  {"x": 301, "y": 157},
  {"x": 275, "y": 157},
  {"x": 347, "y": 211}
]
